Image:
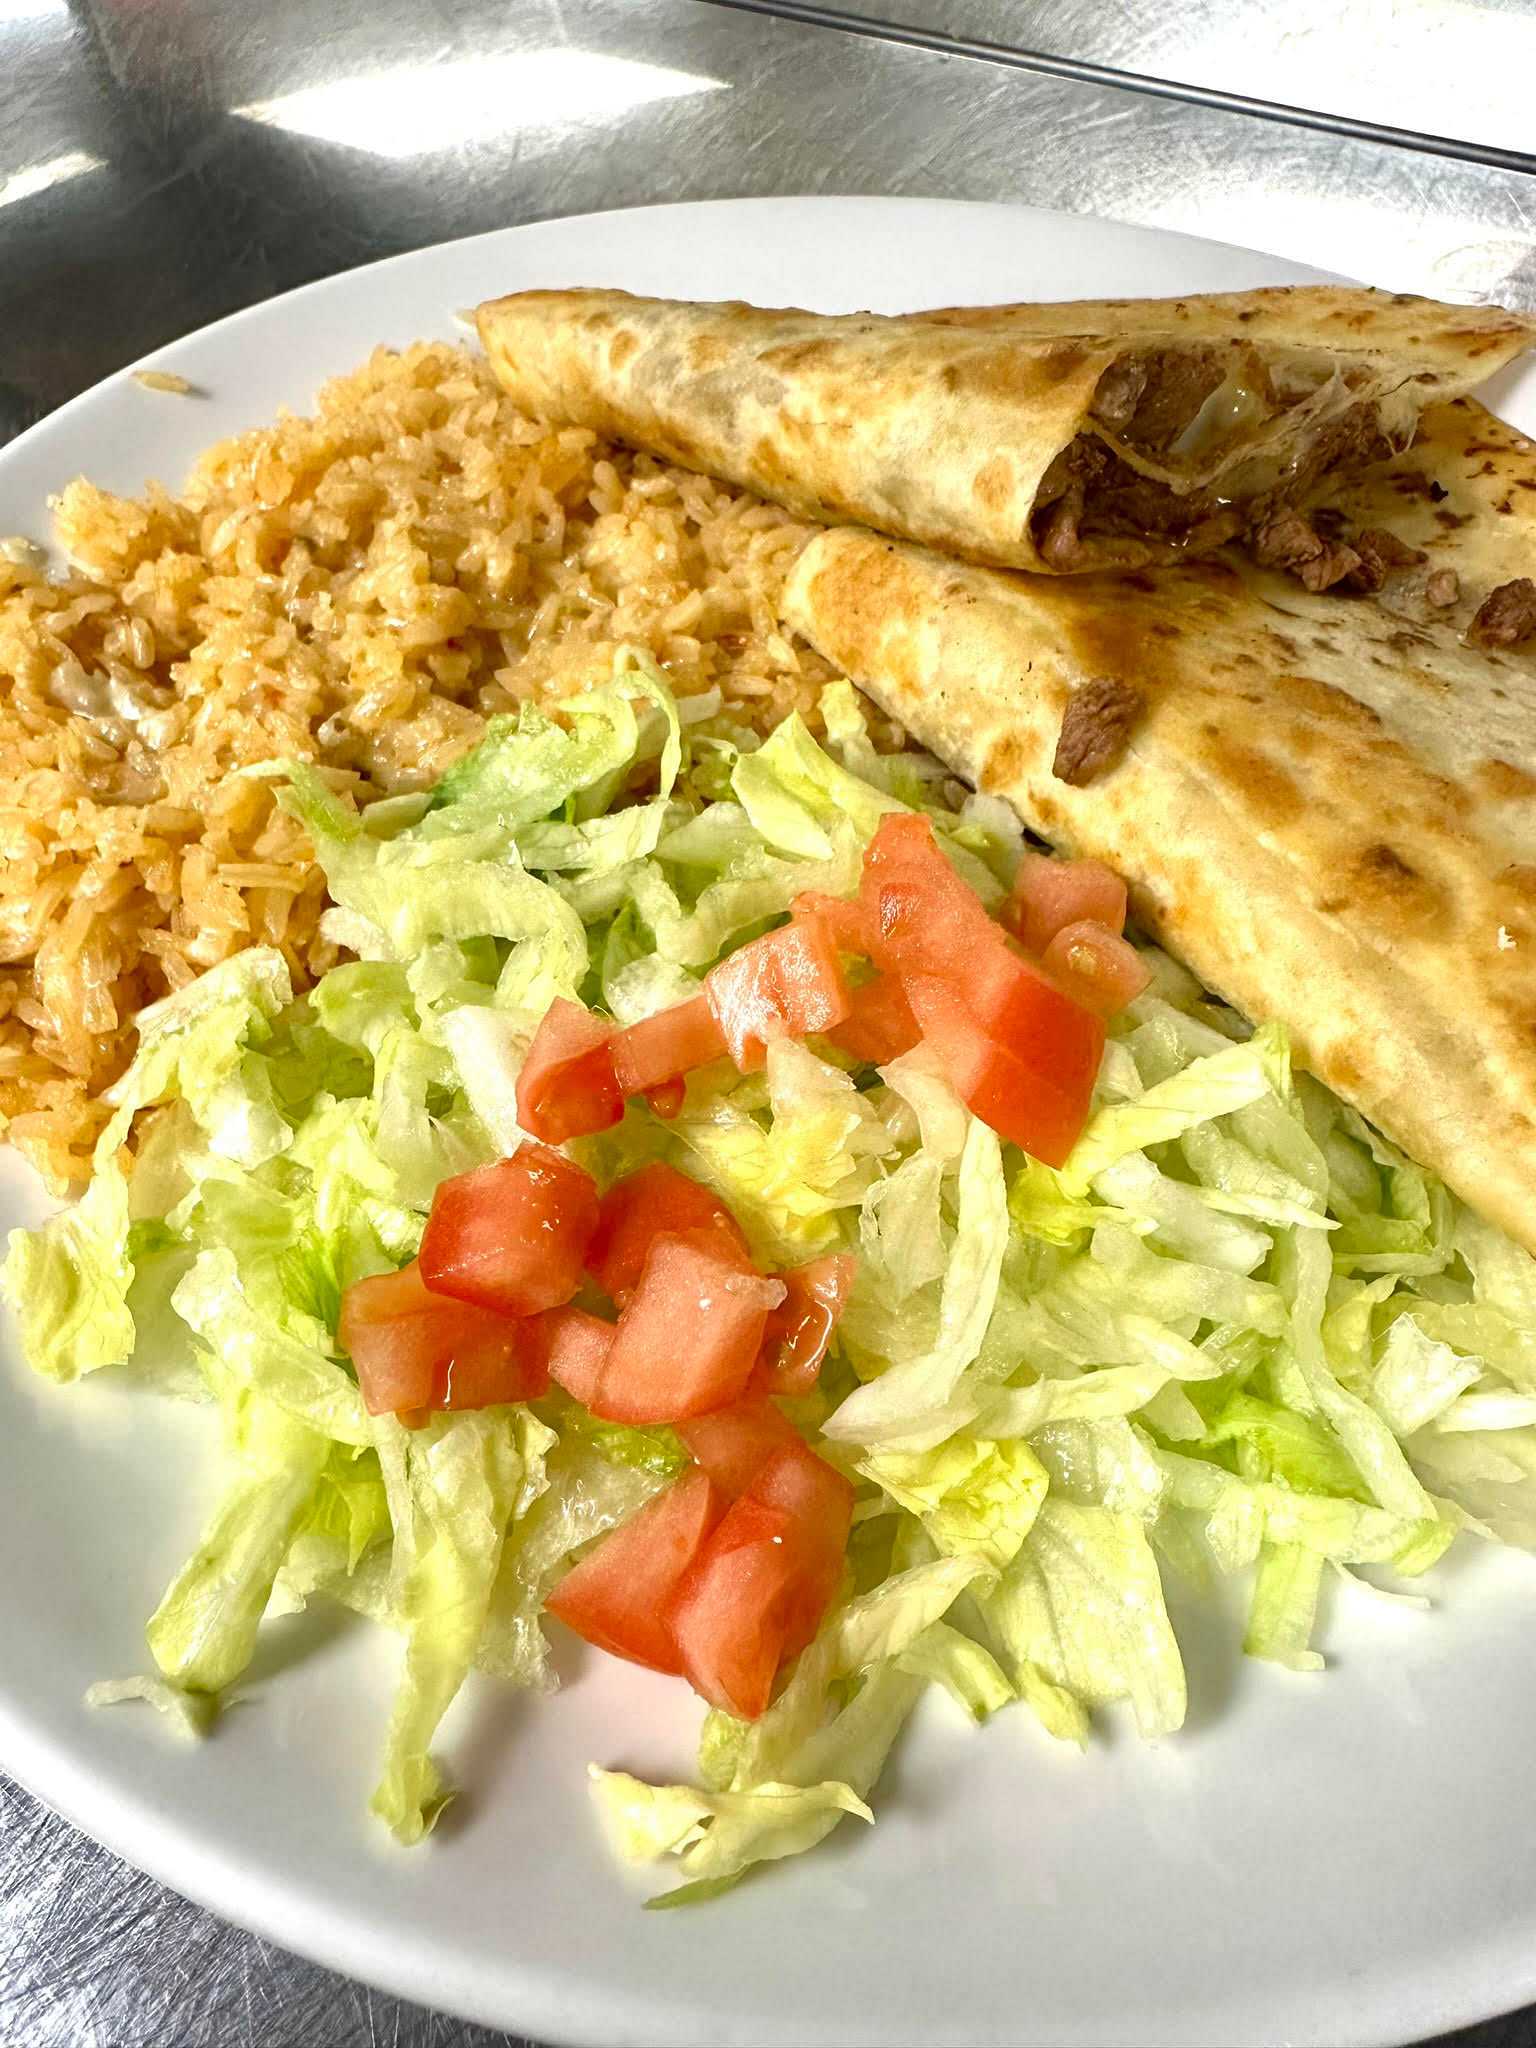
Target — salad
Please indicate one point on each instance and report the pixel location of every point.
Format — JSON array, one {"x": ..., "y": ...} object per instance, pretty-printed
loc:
[{"x": 745, "y": 1203}]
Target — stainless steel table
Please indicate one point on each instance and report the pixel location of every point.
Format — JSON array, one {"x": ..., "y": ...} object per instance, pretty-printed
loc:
[{"x": 158, "y": 168}]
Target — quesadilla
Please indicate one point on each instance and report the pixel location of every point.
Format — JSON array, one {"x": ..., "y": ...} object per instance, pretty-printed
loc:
[
  {"x": 1324, "y": 805},
  {"x": 1058, "y": 438}
]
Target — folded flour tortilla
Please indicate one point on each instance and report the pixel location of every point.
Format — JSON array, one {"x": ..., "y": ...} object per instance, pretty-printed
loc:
[
  {"x": 1325, "y": 805},
  {"x": 1112, "y": 433}
]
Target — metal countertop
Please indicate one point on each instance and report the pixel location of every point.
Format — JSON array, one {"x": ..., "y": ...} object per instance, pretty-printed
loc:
[{"x": 163, "y": 162}]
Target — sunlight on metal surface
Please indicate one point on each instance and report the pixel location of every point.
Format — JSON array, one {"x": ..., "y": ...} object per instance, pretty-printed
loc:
[
  {"x": 413, "y": 111},
  {"x": 34, "y": 178}
]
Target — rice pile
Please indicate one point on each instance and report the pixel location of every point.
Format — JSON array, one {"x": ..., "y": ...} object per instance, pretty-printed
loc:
[{"x": 362, "y": 589}]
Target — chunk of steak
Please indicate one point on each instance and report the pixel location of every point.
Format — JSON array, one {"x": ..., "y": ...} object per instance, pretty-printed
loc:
[{"x": 1096, "y": 728}]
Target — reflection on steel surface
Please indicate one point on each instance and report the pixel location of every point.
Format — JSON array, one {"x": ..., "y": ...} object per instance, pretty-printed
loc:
[
  {"x": 221, "y": 210},
  {"x": 34, "y": 178},
  {"x": 95, "y": 1955},
  {"x": 1440, "y": 67},
  {"x": 412, "y": 111}
]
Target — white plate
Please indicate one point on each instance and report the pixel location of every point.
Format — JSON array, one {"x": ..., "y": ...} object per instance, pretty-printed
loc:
[{"x": 1344, "y": 1859}]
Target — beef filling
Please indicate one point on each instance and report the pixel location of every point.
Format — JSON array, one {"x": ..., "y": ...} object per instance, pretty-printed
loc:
[
  {"x": 1095, "y": 729},
  {"x": 1506, "y": 616},
  {"x": 1090, "y": 493}
]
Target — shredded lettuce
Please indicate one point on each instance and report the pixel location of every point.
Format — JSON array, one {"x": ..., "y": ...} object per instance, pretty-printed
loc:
[
  {"x": 1283, "y": 1613},
  {"x": 1196, "y": 1094},
  {"x": 795, "y": 794},
  {"x": 788, "y": 1172},
  {"x": 204, "y": 1630},
  {"x": 906, "y": 1401},
  {"x": 190, "y": 1714},
  {"x": 1238, "y": 1332},
  {"x": 973, "y": 1498},
  {"x": 69, "y": 1281},
  {"x": 1081, "y": 1607}
]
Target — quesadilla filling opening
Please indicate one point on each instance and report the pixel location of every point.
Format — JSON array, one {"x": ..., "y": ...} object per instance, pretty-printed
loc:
[{"x": 1194, "y": 447}]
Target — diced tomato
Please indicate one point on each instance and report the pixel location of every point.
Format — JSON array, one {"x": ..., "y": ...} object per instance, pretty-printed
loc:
[
  {"x": 800, "y": 1328},
  {"x": 788, "y": 981},
  {"x": 576, "y": 1347},
  {"x": 689, "y": 1335},
  {"x": 1031, "y": 1018},
  {"x": 512, "y": 1236},
  {"x": 567, "y": 1088},
  {"x": 640, "y": 1208},
  {"x": 819, "y": 1502},
  {"x": 414, "y": 1349},
  {"x": 1099, "y": 968},
  {"x": 1050, "y": 894},
  {"x": 901, "y": 839},
  {"x": 921, "y": 917},
  {"x": 758, "y": 1590},
  {"x": 618, "y": 1596},
  {"x": 879, "y": 1026},
  {"x": 728, "y": 1616},
  {"x": 734, "y": 1444},
  {"x": 663, "y": 1048},
  {"x": 842, "y": 917},
  {"x": 667, "y": 1100},
  {"x": 505, "y": 1364},
  {"x": 1040, "y": 1108}
]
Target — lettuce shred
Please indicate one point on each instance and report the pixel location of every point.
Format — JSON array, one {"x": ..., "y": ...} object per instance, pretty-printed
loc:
[{"x": 1238, "y": 1332}]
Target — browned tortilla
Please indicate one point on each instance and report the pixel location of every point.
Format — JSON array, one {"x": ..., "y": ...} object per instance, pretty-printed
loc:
[
  {"x": 1352, "y": 319},
  {"x": 1056, "y": 438},
  {"x": 1327, "y": 806}
]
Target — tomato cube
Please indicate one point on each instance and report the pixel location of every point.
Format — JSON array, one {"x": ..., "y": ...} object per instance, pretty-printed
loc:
[
  {"x": 642, "y": 1207},
  {"x": 787, "y": 982},
  {"x": 734, "y": 1444},
  {"x": 819, "y": 1503},
  {"x": 759, "y": 1588},
  {"x": 879, "y": 1026},
  {"x": 903, "y": 839},
  {"x": 509, "y": 1363},
  {"x": 567, "y": 1087},
  {"x": 1097, "y": 967},
  {"x": 663, "y": 1048},
  {"x": 800, "y": 1328},
  {"x": 1030, "y": 1017},
  {"x": 1039, "y": 1109},
  {"x": 688, "y": 1336},
  {"x": 576, "y": 1347},
  {"x": 666, "y": 1099},
  {"x": 512, "y": 1236},
  {"x": 619, "y": 1594},
  {"x": 413, "y": 1349},
  {"x": 842, "y": 917},
  {"x": 921, "y": 917},
  {"x": 729, "y": 1614},
  {"x": 1050, "y": 894}
]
